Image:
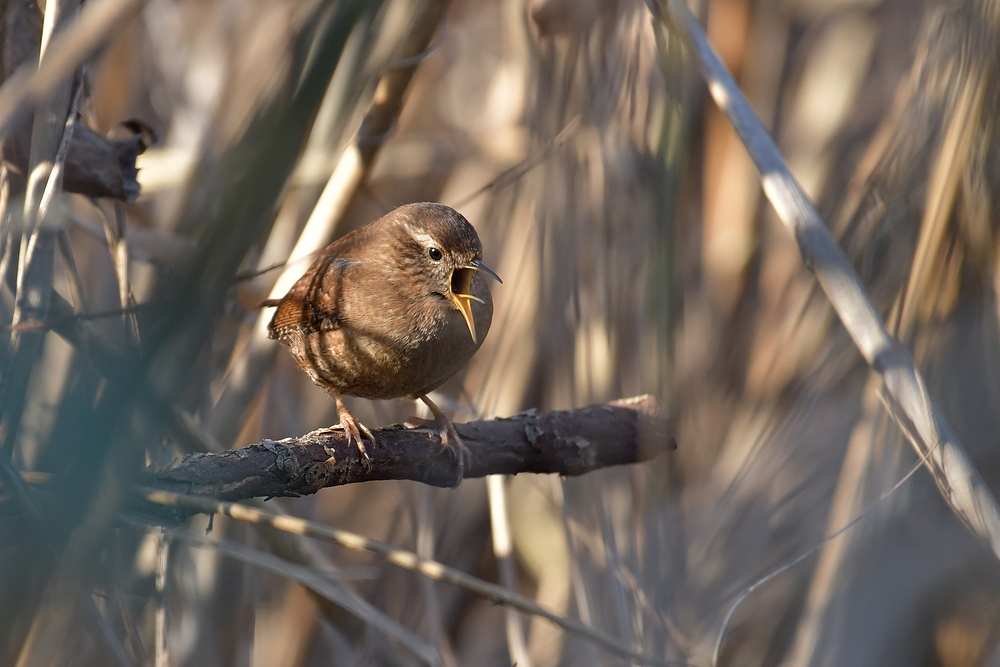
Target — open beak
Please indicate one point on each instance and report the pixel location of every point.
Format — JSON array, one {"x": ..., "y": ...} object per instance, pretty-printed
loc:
[
  {"x": 461, "y": 288},
  {"x": 477, "y": 265},
  {"x": 461, "y": 291}
]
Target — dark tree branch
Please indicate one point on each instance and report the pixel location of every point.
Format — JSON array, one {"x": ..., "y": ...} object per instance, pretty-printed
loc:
[
  {"x": 95, "y": 166},
  {"x": 568, "y": 442}
]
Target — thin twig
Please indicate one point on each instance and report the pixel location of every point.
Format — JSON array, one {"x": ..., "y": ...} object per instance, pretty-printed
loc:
[
  {"x": 119, "y": 250},
  {"x": 106, "y": 632},
  {"x": 801, "y": 557},
  {"x": 399, "y": 557},
  {"x": 323, "y": 584},
  {"x": 54, "y": 182},
  {"x": 519, "y": 170},
  {"x": 302, "y": 551}
]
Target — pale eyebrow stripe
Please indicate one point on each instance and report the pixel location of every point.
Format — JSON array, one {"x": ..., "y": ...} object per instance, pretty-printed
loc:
[{"x": 423, "y": 238}]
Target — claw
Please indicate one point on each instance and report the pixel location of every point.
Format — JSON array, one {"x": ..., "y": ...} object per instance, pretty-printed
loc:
[
  {"x": 353, "y": 428},
  {"x": 449, "y": 437}
]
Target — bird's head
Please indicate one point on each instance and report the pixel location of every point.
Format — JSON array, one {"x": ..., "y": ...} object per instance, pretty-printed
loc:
[{"x": 444, "y": 248}]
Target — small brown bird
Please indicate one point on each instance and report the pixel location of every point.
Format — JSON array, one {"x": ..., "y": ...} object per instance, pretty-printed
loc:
[{"x": 392, "y": 309}]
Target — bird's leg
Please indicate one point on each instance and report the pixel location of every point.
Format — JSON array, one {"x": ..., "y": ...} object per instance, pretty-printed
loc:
[
  {"x": 449, "y": 436},
  {"x": 353, "y": 428}
]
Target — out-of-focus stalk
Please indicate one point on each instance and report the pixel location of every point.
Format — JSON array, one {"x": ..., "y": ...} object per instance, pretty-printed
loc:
[{"x": 247, "y": 374}]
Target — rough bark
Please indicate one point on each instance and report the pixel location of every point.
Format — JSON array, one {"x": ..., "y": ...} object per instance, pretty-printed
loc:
[{"x": 568, "y": 442}]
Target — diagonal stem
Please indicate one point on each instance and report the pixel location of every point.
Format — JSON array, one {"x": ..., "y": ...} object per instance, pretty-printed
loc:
[
  {"x": 957, "y": 478},
  {"x": 399, "y": 557}
]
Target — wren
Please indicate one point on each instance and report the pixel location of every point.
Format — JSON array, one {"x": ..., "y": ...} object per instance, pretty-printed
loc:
[{"x": 390, "y": 310}]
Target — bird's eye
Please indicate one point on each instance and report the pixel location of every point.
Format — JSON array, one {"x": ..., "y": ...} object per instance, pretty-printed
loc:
[{"x": 434, "y": 254}]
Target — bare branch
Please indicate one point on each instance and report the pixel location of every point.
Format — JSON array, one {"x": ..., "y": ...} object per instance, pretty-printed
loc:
[{"x": 568, "y": 442}]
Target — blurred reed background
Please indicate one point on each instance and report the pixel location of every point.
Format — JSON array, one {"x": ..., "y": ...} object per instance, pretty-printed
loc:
[{"x": 638, "y": 256}]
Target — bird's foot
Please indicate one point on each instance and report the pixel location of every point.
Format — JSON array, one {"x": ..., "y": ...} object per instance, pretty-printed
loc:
[
  {"x": 451, "y": 440},
  {"x": 449, "y": 436},
  {"x": 353, "y": 428}
]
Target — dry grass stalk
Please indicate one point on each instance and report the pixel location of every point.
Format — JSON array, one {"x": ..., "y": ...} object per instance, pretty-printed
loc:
[
  {"x": 959, "y": 482},
  {"x": 399, "y": 558}
]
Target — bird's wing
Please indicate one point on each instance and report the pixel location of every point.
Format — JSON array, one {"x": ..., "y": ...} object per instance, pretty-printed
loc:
[{"x": 312, "y": 305}]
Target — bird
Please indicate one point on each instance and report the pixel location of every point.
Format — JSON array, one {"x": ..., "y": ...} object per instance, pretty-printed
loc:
[{"x": 390, "y": 310}]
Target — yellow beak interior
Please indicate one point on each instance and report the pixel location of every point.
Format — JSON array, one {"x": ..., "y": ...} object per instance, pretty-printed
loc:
[{"x": 461, "y": 288}]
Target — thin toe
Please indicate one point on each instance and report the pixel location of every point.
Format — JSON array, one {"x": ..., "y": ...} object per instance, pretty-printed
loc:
[
  {"x": 451, "y": 440},
  {"x": 350, "y": 426},
  {"x": 353, "y": 427}
]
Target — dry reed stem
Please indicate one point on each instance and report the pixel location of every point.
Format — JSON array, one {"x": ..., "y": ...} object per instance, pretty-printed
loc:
[
  {"x": 944, "y": 185},
  {"x": 302, "y": 551},
  {"x": 51, "y": 132},
  {"x": 399, "y": 557},
  {"x": 29, "y": 86},
  {"x": 353, "y": 167},
  {"x": 162, "y": 653},
  {"x": 503, "y": 551},
  {"x": 324, "y": 584},
  {"x": 846, "y": 498},
  {"x": 958, "y": 481}
]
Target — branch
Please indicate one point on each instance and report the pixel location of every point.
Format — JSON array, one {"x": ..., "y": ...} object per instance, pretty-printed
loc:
[
  {"x": 95, "y": 166},
  {"x": 568, "y": 442}
]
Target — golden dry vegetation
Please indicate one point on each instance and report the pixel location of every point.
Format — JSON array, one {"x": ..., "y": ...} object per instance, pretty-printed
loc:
[{"x": 639, "y": 256}]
